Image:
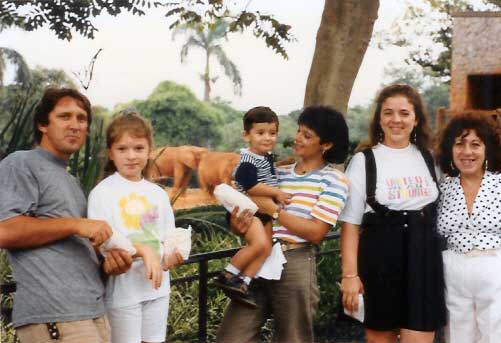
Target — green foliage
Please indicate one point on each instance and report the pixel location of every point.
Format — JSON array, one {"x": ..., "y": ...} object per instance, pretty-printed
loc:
[
  {"x": 178, "y": 117},
  {"x": 210, "y": 233},
  {"x": 63, "y": 16},
  {"x": 229, "y": 113},
  {"x": 8, "y": 18},
  {"x": 358, "y": 119},
  {"x": 209, "y": 39},
  {"x": 435, "y": 97},
  {"x": 329, "y": 274},
  {"x": 7, "y": 333},
  {"x": 86, "y": 163},
  {"x": 208, "y": 12},
  {"x": 14, "y": 57},
  {"x": 286, "y": 133}
]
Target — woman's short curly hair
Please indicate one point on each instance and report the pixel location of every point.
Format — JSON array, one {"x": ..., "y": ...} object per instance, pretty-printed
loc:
[
  {"x": 460, "y": 125},
  {"x": 331, "y": 127}
]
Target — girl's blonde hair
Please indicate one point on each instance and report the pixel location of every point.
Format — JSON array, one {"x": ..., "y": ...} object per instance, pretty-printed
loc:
[{"x": 131, "y": 122}]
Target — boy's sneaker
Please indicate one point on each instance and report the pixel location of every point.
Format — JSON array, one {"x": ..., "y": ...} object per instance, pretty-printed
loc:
[
  {"x": 235, "y": 288},
  {"x": 245, "y": 296},
  {"x": 229, "y": 282}
]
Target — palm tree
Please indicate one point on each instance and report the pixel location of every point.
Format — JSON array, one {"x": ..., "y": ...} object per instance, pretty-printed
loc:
[
  {"x": 208, "y": 38},
  {"x": 11, "y": 55}
]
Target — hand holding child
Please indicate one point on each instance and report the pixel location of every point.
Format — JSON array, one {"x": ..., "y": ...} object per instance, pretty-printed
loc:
[{"x": 283, "y": 198}]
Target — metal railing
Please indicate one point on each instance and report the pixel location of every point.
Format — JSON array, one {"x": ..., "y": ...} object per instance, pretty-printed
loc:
[{"x": 203, "y": 277}]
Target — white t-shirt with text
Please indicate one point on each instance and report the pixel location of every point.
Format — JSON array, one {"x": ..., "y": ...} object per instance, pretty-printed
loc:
[{"x": 403, "y": 182}]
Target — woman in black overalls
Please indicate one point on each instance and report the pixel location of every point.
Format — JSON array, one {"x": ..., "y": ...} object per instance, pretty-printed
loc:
[{"x": 390, "y": 250}]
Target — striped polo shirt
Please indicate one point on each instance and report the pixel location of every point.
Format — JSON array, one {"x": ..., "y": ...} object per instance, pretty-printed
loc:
[
  {"x": 263, "y": 167},
  {"x": 319, "y": 194}
]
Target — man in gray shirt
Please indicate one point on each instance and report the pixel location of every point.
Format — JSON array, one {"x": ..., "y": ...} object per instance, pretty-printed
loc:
[{"x": 50, "y": 244}]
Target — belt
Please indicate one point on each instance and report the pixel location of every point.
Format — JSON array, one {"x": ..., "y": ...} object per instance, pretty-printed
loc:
[
  {"x": 286, "y": 246},
  {"x": 477, "y": 252}
]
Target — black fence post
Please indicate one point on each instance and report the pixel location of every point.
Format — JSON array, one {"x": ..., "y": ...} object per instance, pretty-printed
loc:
[{"x": 203, "y": 268}]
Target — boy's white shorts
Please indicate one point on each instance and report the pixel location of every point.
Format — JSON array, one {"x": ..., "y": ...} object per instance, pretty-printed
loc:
[{"x": 146, "y": 321}]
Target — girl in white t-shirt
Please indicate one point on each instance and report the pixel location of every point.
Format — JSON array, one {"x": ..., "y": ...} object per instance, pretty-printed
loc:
[{"x": 137, "y": 301}]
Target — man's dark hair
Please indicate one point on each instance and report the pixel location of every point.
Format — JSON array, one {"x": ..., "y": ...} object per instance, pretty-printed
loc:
[
  {"x": 331, "y": 127},
  {"x": 259, "y": 114},
  {"x": 49, "y": 100}
]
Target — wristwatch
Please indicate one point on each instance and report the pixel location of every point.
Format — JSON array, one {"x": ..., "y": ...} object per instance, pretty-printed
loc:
[{"x": 277, "y": 212}]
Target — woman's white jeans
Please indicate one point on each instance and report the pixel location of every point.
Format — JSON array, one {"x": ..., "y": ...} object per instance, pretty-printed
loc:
[{"x": 473, "y": 296}]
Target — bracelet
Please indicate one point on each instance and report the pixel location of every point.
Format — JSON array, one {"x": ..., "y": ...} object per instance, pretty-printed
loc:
[{"x": 349, "y": 276}]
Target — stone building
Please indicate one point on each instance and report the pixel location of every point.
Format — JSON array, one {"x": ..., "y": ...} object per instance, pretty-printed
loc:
[{"x": 476, "y": 65}]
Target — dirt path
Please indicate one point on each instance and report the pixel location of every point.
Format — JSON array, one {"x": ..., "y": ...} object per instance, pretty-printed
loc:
[{"x": 192, "y": 197}]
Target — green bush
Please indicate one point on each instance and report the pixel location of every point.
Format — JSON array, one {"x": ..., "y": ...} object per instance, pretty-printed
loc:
[{"x": 210, "y": 233}]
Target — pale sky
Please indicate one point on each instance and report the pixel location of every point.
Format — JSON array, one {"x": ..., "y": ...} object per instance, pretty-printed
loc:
[{"x": 138, "y": 53}]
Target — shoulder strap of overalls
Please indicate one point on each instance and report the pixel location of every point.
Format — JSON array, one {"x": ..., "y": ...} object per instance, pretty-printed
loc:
[
  {"x": 370, "y": 182},
  {"x": 430, "y": 163},
  {"x": 371, "y": 177}
]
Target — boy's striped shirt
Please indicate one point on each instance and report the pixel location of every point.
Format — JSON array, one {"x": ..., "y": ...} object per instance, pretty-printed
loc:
[
  {"x": 263, "y": 165},
  {"x": 321, "y": 194}
]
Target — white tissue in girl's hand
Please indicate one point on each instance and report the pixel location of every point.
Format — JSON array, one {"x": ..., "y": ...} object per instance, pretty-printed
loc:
[
  {"x": 180, "y": 239},
  {"x": 230, "y": 197},
  {"x": 117, "y": 241}
]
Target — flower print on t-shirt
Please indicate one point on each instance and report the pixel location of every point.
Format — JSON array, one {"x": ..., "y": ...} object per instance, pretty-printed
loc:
[
  {"x": 132, "y": 207},
  {"x": 140, "y": 218},
  {"x": 408, "y": 187}
]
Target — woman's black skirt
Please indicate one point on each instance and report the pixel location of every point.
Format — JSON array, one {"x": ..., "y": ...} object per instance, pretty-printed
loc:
[{"x": 400, "y": 265}]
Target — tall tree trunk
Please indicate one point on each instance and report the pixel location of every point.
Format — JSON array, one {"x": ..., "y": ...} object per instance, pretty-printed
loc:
[
  {"x": 206, "y": 77},
  {"x": 342, "y": 39}
]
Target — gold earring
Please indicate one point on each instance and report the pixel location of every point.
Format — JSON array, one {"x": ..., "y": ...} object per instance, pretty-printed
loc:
[
  {"x": 486, "y": 164},
  {"x": 452, "y": 166}
]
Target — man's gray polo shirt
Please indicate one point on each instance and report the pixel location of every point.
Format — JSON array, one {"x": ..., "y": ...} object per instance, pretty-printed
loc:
[{"x": 59, "y": 281}]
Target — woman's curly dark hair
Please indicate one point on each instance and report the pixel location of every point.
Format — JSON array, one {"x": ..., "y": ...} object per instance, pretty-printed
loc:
[{"x": 459, "y": 126}]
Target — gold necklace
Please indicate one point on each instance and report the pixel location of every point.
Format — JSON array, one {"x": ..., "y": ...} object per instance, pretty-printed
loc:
[{"x": 302, "y": 171}]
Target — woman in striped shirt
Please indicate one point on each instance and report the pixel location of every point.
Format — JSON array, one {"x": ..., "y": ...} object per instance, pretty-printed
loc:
[{"x": 318, "y": 193}]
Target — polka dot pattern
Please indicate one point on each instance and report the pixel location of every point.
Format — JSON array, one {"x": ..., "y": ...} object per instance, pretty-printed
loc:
[{"x": 482, "y": 229}]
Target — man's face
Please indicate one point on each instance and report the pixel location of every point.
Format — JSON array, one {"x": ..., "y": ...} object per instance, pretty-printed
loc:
[{"x": 67, "y": 128}]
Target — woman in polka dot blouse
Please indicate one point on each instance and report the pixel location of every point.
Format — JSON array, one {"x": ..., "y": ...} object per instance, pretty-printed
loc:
[{"x": 469, "y": 217}]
